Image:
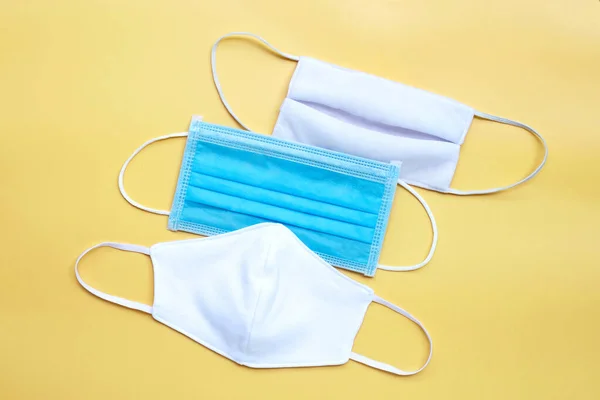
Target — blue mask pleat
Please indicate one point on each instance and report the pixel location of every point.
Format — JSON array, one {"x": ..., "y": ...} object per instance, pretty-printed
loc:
[
  {"x": 288, "y": 177},
  {"x": 280, "y": 199},
  {"x": 336, "y": 204},
  {"x": 319, "y": 242}
]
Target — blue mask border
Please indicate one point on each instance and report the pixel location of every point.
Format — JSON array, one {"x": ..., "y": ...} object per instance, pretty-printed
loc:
[{"x": 386, "y": 174}]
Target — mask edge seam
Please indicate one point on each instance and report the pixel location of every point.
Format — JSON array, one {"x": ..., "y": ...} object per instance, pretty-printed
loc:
[
  {"x": 184, "y": 178},
  {"x": 294, "y": 158}
]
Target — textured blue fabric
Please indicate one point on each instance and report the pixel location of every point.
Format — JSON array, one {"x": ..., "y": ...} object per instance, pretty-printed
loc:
[{"x": 337, "y": 204}]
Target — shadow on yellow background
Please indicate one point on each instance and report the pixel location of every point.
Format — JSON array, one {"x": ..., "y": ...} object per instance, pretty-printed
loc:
[{"x": 511, "y": 297}]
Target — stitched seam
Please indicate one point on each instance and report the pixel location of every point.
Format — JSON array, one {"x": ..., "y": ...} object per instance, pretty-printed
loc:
[
  {"x": 252, "y": 321},
  {"x": 377, "y": 234},
  {"x": 293, "y": 80},
  {"x": 341, "y": 263},
  {"x": 201, "y": 229},
  {"x": 384, "y": 212},
  {"x": 183, "y": 182},
  {"x": 382, "y": 167},
  {"x": 281, "y": 143},
  {"x": 276, "y": 154}
]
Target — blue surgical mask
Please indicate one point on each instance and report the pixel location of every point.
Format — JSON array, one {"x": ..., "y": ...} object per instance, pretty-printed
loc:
[{"x": 337, "y": 204}]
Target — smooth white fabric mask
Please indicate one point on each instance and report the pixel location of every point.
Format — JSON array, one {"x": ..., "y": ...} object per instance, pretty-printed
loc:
[
  {"x": 364, "y": 115},
  {"x": 259, "y": 297}
]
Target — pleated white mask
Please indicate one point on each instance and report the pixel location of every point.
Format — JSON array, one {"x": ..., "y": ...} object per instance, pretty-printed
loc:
[{"x": 364, "y": 115}]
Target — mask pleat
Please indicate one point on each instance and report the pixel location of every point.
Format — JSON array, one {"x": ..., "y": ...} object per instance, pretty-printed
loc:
[
  {"x": 278, "y": 199},
  {"x": 332, "y": 212},
  {"x": 286, "y": 176},
  {"x": 337, "y": 204},
  {"x": 325, "y": 244}
]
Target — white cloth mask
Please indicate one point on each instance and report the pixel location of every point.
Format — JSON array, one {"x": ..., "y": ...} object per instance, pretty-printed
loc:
[
  {"x": 368, "y": 116},
  {"x": 259, "y": 297}
]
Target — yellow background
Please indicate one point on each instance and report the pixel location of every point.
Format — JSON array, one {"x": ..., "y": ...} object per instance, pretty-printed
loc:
[{"x": 511, "y": 297}]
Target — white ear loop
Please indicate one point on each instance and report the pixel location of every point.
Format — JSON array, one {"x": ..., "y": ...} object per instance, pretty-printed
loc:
[
  {"x": 213, "y": 65},
  {"x": 506, "y": 121},
  {"x": 433, "y": 240},
  {"x": 387, "y": 367},
  {"x": 109, "y": 297},
  {"x": 124, "y": 167}
]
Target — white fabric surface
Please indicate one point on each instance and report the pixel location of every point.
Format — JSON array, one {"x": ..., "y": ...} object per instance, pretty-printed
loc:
[
  {"x": 361, "y": 114},
  {"x": 259, "y": 297},
  {"x": 423, "y": 160},
  {"x": 379, "y": 104}
]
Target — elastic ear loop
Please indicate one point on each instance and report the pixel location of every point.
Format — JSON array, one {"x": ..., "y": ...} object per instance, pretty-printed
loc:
[
  {"x": 433, "y": 240},
  {"x": 105, "y": 296},
  {"x": 124, "y": 167},
  {"x": 506, "y": 121},
  {"x": 213, "y": 65},
  {"x": 386, "y": 367}
]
